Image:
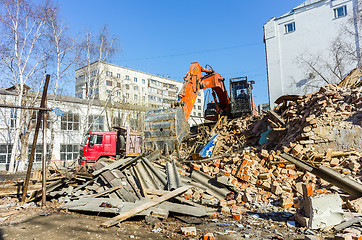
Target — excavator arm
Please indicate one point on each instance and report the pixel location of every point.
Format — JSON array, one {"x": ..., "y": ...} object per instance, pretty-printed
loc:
[{"x": 194, "y": 82}]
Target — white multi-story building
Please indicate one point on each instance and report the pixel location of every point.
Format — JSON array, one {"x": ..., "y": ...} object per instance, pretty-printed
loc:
[
  {"x": 79, "y": 117},
  {"x": 108, "y": 82},
  {"x": 299, "y": 45},
  {"x": 122, "y": 100}
]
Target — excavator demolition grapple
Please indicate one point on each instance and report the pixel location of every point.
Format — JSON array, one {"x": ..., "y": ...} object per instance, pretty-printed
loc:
[{"x": 165, "y": 128}]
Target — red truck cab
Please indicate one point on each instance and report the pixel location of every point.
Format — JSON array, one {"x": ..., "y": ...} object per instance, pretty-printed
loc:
[{"x": 116, "y": 144}]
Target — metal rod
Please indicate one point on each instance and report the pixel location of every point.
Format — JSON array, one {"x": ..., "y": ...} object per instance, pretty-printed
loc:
[
  {"x": 348, "y": 185},
  {"x": 44, "y": 190},
  {"x": 25, "y": 107},
  {"x": 38, "y": 120}
]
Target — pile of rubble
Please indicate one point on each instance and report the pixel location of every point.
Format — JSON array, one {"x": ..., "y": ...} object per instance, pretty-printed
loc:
[
  {"x": 329, "y": 118},
  {"x": 277, "y": 165},
  {"x": 323, "y": 129}
]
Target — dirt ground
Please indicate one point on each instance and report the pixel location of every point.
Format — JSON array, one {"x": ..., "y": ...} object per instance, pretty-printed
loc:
[{"x": 30, "y": 221}]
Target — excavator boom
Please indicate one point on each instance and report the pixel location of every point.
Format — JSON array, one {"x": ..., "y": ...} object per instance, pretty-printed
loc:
[
  {"x": 194, "y": 82},
  {"x": 165, "y": 129}
]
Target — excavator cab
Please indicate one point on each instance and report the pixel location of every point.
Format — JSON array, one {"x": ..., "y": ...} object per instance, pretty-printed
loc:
[{"x": 241, "y": 97}]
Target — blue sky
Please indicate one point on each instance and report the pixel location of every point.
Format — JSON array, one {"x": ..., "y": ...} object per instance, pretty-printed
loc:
[{"x": 164, "y": 37}]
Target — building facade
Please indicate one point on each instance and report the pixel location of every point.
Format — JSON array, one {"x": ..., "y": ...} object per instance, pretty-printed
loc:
[
  {"x": 116, "y": 84},
  {"x": 300, "y": 46},
  {"x": 120, "y": 97},
  {"x": 66, "y": 130}
]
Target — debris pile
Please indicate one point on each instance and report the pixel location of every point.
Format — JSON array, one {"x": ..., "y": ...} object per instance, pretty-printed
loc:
[
  {"x": 288, "y": 164},
  {"x": 323, "y": 130},
  {"x": 329, "y": 118}
]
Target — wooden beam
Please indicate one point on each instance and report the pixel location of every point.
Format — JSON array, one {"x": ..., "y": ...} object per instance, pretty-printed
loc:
[
  {"x": 38, "y": 120},
  {"x": 153, "y": 202},
  {"x": 25, "y": 107}
]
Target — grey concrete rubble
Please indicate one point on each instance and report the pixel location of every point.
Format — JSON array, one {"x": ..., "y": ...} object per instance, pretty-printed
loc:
[{"x": 325, "y": 210}]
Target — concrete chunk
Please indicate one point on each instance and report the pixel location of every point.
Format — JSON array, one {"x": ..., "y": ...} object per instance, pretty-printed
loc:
[{"x": 325, "y": 210}]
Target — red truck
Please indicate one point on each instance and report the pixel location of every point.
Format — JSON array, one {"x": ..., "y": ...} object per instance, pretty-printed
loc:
[{"x": 110, "y": 145}]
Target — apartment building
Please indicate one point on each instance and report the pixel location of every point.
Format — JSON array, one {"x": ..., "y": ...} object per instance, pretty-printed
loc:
[
  {"x": 78, "y": 116},
  {"x": 116, "y": 84},
  {"x": 299, "y": 46}
]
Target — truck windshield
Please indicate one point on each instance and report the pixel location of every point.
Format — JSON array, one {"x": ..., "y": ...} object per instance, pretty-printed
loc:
[
  {"x": 95, "y": 139},
  {"x": 85, "y": 139}
]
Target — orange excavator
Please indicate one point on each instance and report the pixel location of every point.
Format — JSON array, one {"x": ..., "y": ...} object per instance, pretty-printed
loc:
[
  {"x": 165, "y": 128},
  {"x": 194, "y": 82}
]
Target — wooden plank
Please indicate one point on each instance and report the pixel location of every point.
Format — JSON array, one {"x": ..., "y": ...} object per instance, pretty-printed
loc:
[
  {"x": 277, "y": 117},
  {"x": 178, "y": 208},
  {"x": 144, "y": 206},
  {"x": 346, "y": 224}
]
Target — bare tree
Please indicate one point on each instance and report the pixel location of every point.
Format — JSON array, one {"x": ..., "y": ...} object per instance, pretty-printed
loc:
[
  {"x": 342, "y": 55},
  {"x": 63, "y": 57},
  {"x": 23, "y": 26},
  {"x": 95, "y": 51}
]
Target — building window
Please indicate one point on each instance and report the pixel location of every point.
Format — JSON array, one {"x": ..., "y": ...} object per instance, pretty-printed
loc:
[
  {"x": 118, "y": 75},
  {"x": 34, "y": 117},
  {"x": 135, "y": 88},
  {"x": 135, "y": 97},
  {"x": 199, "y": 107},
  {"x": 143, "y": 81},
  {"x": 108, "y": 92},
  {"x": 70, "y": 121},
  {"x": 38, "y": 154},
  {"x": 127, "y": 86},
  {"x": 119, "y": 84},
  {"x": 143, "y": 98},
  {"x": 127, "y": 95},
  {"x": 96, "y": 122},
  {"x": 13, "y": 116},
  {"x": 199, "y": 100},
  {"x": 340, "y": 12},
  {"x": 135, "y": 79},
  {"x": 290, "y": 27},
  {"x": 108, "y": 73},
  {"x": 109, "y": 83},
  {"x": 5, "y": 153},
  {"x": 69, "y": 151},
  {"x": 94, "y": 72},
  {"x": 199, "y": 114},
  {"x": 127, "y": 77}
]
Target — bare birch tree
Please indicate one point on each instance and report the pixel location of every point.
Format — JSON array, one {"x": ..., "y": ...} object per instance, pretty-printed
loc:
[
  {"x": 63, "y": 57},
  {"x": 23, "y": 26},
  {"x": 342, "y": 55},
  {"x": 95, "y": 51}
]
